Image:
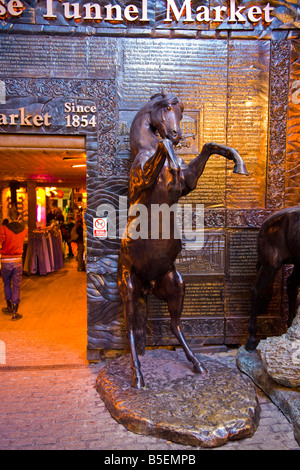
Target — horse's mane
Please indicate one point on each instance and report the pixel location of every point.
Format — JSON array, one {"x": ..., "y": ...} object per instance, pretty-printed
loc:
[
  {"x": 160, "y": 100},
  {"x": 150, "y": 112}
]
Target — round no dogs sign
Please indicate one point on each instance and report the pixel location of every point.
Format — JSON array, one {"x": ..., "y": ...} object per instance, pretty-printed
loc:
[{"x": 100, "y": 227}]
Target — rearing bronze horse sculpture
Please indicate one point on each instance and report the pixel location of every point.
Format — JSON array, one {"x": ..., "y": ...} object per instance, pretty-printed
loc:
[{"x": 158, "y": 176}]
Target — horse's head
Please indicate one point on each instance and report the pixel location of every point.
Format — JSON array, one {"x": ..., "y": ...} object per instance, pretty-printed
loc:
[{"x": 165, "y": 116}]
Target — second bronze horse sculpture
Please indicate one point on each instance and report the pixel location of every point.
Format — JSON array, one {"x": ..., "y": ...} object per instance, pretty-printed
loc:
[
  {"x": 278, "y": 244},
  {"x": 158, "y": 176}
]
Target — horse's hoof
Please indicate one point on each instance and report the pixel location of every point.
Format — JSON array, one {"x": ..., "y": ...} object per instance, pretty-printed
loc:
[
  {"x": 251, "y": 344},
  {"x": 199, "y": 368},
  {"x": 138, "y": 382}
]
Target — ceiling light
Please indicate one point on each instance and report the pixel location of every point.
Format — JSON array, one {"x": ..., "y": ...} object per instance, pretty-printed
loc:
[
  {"x": 73, "y": 158},
  {"x": 79, "y": 166}
]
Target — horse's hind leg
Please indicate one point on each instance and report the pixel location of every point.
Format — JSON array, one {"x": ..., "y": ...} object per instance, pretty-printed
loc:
[
  {"x": 130, "y": 291},
  {"x": 293, "y": 284},
  {"x": 171, "y": 289},
  {"x": 260, "y": 297}
]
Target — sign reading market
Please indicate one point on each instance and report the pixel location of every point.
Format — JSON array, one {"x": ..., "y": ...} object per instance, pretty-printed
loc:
[{"x": 130, "y": 13}]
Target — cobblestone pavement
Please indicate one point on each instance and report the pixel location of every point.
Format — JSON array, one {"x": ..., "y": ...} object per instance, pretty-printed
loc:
[
  {"x": 58, "y": 408},
  {"x": 48, "y": 399}
]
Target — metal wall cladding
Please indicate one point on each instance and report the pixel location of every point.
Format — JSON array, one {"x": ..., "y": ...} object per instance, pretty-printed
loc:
[
  {"x": 224, "y": 86},
  {"x": 292, "y": 176},
  {"x": 55, "y": 57},
  {"x": 248, "y": 91},
  {"x": 236, "y": 92}
]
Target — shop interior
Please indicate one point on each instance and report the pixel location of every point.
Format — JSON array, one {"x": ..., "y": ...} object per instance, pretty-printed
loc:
[{"x": 45, "y": 177}]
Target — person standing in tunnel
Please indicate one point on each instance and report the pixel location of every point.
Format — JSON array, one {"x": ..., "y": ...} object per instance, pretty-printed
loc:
[{"x": 12, "y": 238}]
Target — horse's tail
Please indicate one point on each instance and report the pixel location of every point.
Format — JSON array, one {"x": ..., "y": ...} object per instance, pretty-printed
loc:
[{"x": 140, "y": 320}]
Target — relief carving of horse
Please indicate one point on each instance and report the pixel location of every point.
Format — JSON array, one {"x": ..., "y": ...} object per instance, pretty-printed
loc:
[
  {"x": 278, "y": 244},
  {"x": 158, "y": 176}
]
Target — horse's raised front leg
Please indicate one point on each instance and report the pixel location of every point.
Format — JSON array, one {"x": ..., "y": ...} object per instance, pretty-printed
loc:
[
  {"x": 130, "y": 292},
  {"x": 195, "y": 168},
  {"x": 260, "y": 296},
  {"x": 171, "y": 289}
]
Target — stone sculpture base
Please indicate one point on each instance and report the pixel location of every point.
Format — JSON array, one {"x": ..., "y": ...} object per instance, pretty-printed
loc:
[
  {"x": 287, "y": 399},
  {"x": 280, "y": 355},
  {"x": 177, "y": 404}
]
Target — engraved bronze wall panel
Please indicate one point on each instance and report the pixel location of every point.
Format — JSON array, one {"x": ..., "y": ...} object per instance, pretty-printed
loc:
[
  {"x": 225, "y": 89},
  {"x": 268, "y": 192},
  {"x": 197, "y": 73},
  {"x": 279, "y": 84},
  {"x": 239, "y": 85},
  {"x": 56, "y": 57},
  {"x": 248, "y": 89},
  {"x": 198, "y": 331},
  {"x": 292, "y": 168}
]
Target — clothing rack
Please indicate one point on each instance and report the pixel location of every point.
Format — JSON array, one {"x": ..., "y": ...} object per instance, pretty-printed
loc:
[{"x": 44, "y": 252}]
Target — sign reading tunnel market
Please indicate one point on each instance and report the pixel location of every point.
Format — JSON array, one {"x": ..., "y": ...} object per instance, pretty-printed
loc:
[{"x": 116, "y": 14}]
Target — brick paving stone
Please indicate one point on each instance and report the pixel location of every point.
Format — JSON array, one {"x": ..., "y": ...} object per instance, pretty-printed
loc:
[
  {"x": 61, "y": 410},
  {"x": 58, "y": 408}
]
